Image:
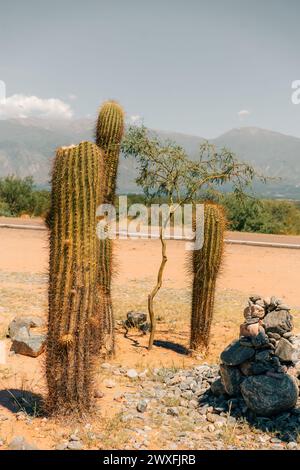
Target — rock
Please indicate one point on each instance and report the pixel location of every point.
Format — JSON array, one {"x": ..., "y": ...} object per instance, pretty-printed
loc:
[
  {"x": 254, "y": 311},
  {"x": 275, "y": 440},
  {"x": 106, "y": 366},
  {"x": 275, "y": 335},
  {"x": 295, "y": 340},
  {"x": 132, "y": 374},
  {"x": 20, "y": 443},
  {"x": 193, "y": 404},
  {"x": 261, "y": 340},
  {"x": 260, "y": 368},
  {"x": 173, "y": 411},
  {"x": 211, "y": 418},
  {"x": 275, "y": 375},
  {"x": 142, "y": 406},
  {"x": 27, "y": 322},
  {"x": 285, "y": 350},
  {"x": 108, "y": 383},
  {"x": 292, "y": 445},
  {"x": 283, "y": 307},
  {"x": 231, "y": 378},
  {"x": 75, "y": 445},
  {"x": 254, "y": 298},
  {"x": 278, "y": 322},
  {"x": 217, "y": 388},
  {"x": 246, "y": 368},
  {"x": 262, "y": 356},
  {"x": 249, "y": 330},
  {"x": 273, "y": 341},
  {"x": 98, "y": 394},
  {"x": 32, "y": 346},
  {"x": 62, "y": 446},
  {"x": 287, "y": 335},
  {"x": 267, "y": 396},
  {"x": 236, "y": 354},
  {"x": 136, "y": 318}
]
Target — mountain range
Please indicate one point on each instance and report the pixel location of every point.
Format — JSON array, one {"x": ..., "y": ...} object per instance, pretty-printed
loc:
[{"x": 27, "y": 147}]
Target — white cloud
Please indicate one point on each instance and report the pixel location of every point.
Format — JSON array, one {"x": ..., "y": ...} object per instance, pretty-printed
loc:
[
  {"x": 22, "y": 106},
  {"x": 244, "y": 113}
]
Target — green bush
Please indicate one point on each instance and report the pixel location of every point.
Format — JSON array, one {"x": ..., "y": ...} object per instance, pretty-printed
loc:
[
  {"x": 262, "y": 216},
  {"x": 20, "y": 196},
  {"x": 4, "y": 209}
]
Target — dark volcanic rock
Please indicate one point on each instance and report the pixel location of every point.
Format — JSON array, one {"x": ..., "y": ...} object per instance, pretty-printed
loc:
[
  {"x": 267, "y": 396},
  {"x": 278, "y": 322},
  {"x": 236, "y": 354},
  {"x": 231, "y": 379},
  {"x": 261, "y": 340}
]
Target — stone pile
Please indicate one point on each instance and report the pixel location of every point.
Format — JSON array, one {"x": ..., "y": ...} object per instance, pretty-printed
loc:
[{"x": 263, "y": 365}]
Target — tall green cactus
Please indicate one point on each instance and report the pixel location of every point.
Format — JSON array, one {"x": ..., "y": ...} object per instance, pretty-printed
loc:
[
  {"x": 206, "y": 263},
  {"x": 109, "y": 133},
  {"x": 76, "y": 193}
]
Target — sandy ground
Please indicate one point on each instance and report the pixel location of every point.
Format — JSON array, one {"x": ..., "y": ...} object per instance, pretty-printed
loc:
[
  {"x": 246, "y": 269},
  {"x": 23, "y": 290}
]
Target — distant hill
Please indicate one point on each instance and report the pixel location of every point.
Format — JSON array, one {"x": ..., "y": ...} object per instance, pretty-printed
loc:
[{"x": 27, "y": 147}]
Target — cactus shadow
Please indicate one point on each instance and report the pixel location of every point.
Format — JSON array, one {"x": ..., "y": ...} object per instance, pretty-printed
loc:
[
  {"x": 16, "y": 400},
  {"x": 176, "y": 347}
]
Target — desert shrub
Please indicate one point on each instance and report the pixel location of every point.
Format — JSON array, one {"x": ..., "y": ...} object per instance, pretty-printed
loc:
[
  {"x": 19, "y": 196},
  {"x": 4, "y": 209},
  {"x": 41, "y": 203},
  {"x": 262, "y": 216}
]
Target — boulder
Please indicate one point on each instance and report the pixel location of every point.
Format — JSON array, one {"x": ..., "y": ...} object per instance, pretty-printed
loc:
[
  {"x": 31, "y": 346},
  {"x": 261, "y": 340},
  {"x": 280, "y": 322},
  {"x": 136, "y": 318},
  {"x": 236, "y": 354},
  {"x": 231, "y": 379},
  {"x": 254, "y": 311},
  {"x": 249, "y": 330},
  {"x": 261, "y": 368},
  {"x": 24, "y": 323},
  {"x": 246, "y": 368},
  {"x": 267, "y": 396},
  {"x": 285, "y": 350}
]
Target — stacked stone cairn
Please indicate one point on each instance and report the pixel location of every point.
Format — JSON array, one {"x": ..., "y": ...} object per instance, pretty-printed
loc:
[{"x": 263, "y": 366}]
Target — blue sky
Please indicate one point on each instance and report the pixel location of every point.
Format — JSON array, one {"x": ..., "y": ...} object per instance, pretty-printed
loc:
[{"x": 195, "y": 66}]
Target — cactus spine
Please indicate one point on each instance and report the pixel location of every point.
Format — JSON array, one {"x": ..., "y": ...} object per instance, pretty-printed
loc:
[
  {"x": 109, "y": 133},
  {"x": 206, "y": 263},
  {"x": 76, "y": 192}
]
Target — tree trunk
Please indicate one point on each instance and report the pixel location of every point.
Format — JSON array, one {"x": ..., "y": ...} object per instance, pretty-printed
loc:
[{"x": 156, "y": 288}]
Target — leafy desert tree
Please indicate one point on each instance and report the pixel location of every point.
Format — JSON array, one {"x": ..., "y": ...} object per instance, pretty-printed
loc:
[{"x": 165, "y": 170}]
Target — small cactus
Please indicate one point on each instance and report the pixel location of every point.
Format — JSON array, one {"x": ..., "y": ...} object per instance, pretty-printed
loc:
[
  {"x": 109, "y": 133},
  {"x": 206, "y": 264},
  {"x": 76, "y": 193}
]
